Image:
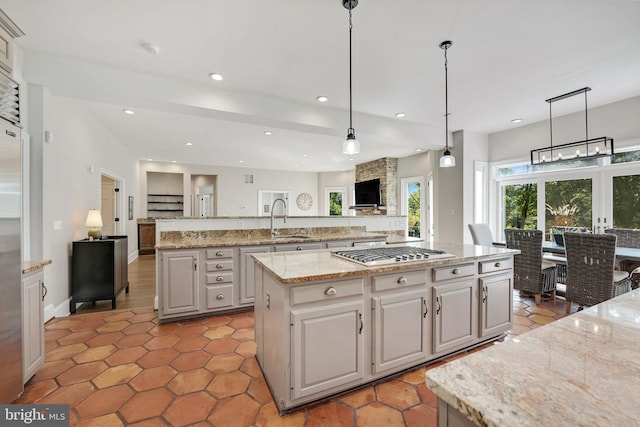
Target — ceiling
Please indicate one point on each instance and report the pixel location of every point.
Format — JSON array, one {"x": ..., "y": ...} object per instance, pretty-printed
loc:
[{"x": 277, "y": 56}]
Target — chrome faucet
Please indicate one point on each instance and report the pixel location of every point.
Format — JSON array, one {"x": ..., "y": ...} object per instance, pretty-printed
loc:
[{"x": 284, "y": 217}]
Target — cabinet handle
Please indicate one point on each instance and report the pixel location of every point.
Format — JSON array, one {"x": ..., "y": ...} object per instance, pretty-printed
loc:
[
  {"x": 439, "y": 305},
  {"x": 484, "y": 294},
  {"x": 195, "y": 265},
  {"x": 44, "y": 291},
  {"x": 219, "y": 253},
  {"x": 219, "y": 297},
  {"x": 497, "y": 265},
  {"x": 219, "y": 266},
  {"x": 331, "y": 291},
  {"x": 10, "y": 133},
  {"x": 299, "y": 248},
  {"x": 456, "y": 271},
  {"x": 361, "y": 323},
  {"x": 426, "y": 308},
  {"x": 220, "y": 278},
  {"x": 402, "y": 280}
]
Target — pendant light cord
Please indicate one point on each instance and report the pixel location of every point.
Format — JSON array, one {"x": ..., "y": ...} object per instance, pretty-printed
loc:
[
  {"x": 350, "y": 90},
  {"x": 446, "y": 102}
]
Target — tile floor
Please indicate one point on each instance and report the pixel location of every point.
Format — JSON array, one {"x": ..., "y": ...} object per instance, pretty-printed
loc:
[{"x": 121, "y": 367}]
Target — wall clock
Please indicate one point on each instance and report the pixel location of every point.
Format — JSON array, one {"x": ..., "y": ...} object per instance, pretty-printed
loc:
[{"x": 304, "y": 201}]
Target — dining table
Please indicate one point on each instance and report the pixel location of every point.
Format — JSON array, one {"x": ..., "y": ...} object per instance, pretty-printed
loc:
[{"x": 622, "y": 253}]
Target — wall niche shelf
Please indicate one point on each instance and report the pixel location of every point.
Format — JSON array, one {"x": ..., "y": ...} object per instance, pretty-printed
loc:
[{"x": 165, "y": 205}]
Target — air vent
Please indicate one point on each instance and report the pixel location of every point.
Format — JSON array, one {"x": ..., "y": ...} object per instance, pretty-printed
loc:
[{"x": 9, "y": 99}]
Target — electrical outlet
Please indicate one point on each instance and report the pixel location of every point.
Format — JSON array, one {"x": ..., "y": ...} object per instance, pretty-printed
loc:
[{"x": 57, "y": 225}]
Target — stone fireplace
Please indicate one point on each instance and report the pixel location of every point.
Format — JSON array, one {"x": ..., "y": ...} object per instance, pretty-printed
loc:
[{"x": 385, "y": 169}]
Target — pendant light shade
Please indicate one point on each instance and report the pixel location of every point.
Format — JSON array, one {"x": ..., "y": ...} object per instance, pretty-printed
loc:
[
  {"x": 350, "y": 145},
  {"x": 447, "y": 160}
]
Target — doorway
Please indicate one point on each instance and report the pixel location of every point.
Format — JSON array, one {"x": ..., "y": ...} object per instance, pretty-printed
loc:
[
  {"x": 413, "y": 206},
  {"x": 110, "y": 202}
]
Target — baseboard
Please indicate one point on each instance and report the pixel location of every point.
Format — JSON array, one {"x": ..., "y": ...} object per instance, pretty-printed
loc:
[
  {"x": 155, "y": 302},
  {"x": 61, "y": 310},
  {"x": 133, "y": 256}
]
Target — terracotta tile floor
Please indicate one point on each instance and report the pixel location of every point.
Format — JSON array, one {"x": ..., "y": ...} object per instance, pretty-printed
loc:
[{"x": 121, "y": 367}]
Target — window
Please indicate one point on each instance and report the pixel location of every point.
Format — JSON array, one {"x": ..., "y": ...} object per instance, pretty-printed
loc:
[
  {"x": 626, "y": 201},
  {"x": 568, "y": 203},
  {"x": 335, "y": 201},
  {"x": 413, "y": 205},
  {"x": 520, "y": 209}
]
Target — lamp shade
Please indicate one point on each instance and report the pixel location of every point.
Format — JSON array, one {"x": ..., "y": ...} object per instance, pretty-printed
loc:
[
  {"x": 351, "y": 145},
  {"x": 447, "y": 160},
  {"x": 94, "y": 219}
]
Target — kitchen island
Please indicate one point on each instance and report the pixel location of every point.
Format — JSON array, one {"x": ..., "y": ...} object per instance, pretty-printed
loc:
[
  {"x": 325, "y": 325},
  {"x": 580, "y": 370}
]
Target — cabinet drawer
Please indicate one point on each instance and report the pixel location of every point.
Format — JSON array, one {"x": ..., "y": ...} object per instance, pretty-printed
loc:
[
  {"x": 222, "y": 277},
  {"x": 219, "y": 253},
  {"x": 452, "y": 272},
  {"x": 222, "y": 264},
  {"x": 299, "y": 247},
  {"x": 398, "y": 280},
  {"x": 495, "y": 265},
  {"x": 219, "y": 296},
  {"x": 326, "y": 291}
]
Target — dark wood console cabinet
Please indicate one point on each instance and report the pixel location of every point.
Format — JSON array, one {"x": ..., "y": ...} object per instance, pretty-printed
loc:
[{"x": 99, "y": 270}]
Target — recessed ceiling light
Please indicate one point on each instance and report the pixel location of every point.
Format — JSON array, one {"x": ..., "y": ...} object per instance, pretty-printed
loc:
[
  {"x": 305, "y": 155},
  {"x": 150, "y": 160},
  {"x": 296, "y": 166},
  {"x": 400, "y": 115},
  {"x": 351, "y": 160},
  {"x": 188, "y": 144},
  {"x": 322, "y": 98},
  {"x": 240, "y": 161},
  {"x": 127, "y": 111},
  {"x": 516, "y": 120},
  {"x": 418, "y": 150},
  {"x": 173, "y": 161},
  {"x": 266, "y": 132},
  {"x": 215, "y": 76}
]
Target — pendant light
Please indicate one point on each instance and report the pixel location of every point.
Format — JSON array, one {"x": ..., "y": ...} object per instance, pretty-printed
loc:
[
  {"x": 447, "y": 160},
  {"x": 350, "y": 145}
]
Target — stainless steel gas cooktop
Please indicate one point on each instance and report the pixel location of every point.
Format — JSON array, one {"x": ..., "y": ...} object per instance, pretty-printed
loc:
[{"x": 390, "y": 255}]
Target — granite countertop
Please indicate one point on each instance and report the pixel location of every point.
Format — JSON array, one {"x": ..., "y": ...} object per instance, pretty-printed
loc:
[
  {"x": 580, "y": 370},
  {"x": 29, "y": 266},
  {"x": 221, "y": 238},
  {"x": 306, "y": 266}
]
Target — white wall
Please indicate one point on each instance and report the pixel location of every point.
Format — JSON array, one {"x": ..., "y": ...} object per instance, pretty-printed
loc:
[
  {"x": 234, "y": 196},
  {"x": 448, "y": 195},
  {"x": 476, "y": 148},
  {"x": 71, "y": 168}
]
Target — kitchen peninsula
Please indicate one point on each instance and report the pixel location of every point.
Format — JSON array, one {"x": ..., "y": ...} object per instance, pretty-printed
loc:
[
  {"x": 324, "y": 324},
  {"x": 581, "y": 370},
  {"x": 204, "y": 266}
]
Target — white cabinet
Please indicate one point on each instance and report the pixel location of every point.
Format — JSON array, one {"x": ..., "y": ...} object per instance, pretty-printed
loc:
[
  {"x": 400, "y": 329},
  {"x": 299, "y": 246},
  {"x": 454, "y": 308},
  {"x": 32, "y": 323},
  {"x": 496, "y": 297},
  {"x": 327, "y": 347},
  {"x": 178, "y": 280},
  {"x": 247, "y": 272},
  {"x": 219, "y": 278}
]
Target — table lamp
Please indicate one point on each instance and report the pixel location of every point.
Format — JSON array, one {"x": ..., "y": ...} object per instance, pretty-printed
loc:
[{"x": 94, "y": 222}]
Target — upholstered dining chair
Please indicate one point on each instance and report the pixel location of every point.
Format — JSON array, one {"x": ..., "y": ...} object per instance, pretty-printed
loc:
[
  {"x": 530, "y": 272},
  {"x": 481, "y": 235},
  {"x": 591, "y": 278}
]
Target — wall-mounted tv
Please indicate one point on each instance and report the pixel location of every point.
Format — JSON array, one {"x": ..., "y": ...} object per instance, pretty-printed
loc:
[{"x": 368, "y": 192}]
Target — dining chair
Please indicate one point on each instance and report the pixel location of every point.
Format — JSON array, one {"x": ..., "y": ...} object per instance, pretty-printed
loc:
[
  {"x": 530, "y": 272},
  {"x": 591, "y": 277},
  {"x": 628, "y": 238},
  {"x": 481, "y": 234}
]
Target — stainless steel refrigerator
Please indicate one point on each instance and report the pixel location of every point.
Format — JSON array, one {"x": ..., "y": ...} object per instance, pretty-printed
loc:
[{"x": 10, "y": 263}]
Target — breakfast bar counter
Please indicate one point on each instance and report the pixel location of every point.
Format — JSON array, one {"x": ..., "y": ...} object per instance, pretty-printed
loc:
[{"x": 580, "y": 370}]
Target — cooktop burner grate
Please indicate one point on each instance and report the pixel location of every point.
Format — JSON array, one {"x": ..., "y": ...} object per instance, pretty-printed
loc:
[{"x": 389, "y": 255}]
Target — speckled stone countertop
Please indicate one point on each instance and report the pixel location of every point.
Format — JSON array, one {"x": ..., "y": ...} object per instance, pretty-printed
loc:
[
  {"x": 305, "y": 266},
  {"x": 218, "y": 238},
  {"x": 29, "y": 266},
  {"x": 583, "y": 369}
]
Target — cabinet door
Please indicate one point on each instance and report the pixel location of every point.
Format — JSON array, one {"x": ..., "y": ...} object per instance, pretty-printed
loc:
[
  {"x": 400, "y": 325},
  {"x": 32, "y": 324},
  {"x": 495, "y": 304},
  {"x": 247, "y": 272},
  {"x": 454, "y": 315},
  {"x": 327, "y": 347},
  {"x": 146, "y": 239},
  {"x": 179, "y": 282}
]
